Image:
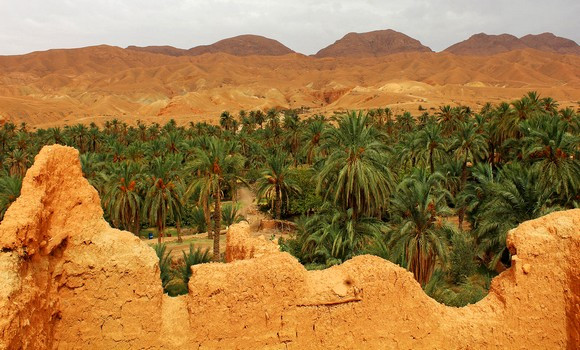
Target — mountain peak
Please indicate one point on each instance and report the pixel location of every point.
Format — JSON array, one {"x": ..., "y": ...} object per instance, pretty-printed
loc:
[
  {"x": 372, "y": 44},
  {"x": 244, "y": 45},
  {"x": 486, "y": 44}
]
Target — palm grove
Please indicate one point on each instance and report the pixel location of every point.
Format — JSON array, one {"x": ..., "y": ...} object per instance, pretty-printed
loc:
[{"x": 435, "y": 194}]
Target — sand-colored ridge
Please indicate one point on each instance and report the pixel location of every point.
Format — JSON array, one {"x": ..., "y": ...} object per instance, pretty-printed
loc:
[
  {"x": 59, "y": 87},
  {"x": 71, "y": 281}
]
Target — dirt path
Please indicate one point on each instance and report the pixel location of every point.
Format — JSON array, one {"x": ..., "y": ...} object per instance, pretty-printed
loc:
[{"x": 248, "y": 209}]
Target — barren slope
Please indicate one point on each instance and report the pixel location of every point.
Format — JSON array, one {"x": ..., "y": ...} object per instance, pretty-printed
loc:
[
  {"x": 244, "y": 45},
  {"x": 103, "y": 82},
  {"x": 550, "y": 42},
  {"x": 484, "y": 44},
  {"x": 372, "y": 44}
]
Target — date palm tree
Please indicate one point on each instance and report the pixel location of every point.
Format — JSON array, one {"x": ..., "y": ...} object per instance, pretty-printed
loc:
[
  {"x": 355, "y": 175},
  {"x": 122, "y": 199},
  {"x": 431, "y": 141},
  {"x": 469, "y": 145},
  {"x": 163, "y": 199},
  {"x": 416, "y": 237},
  {"x": 334, "y": 235},
  {"x": 312, "y": 138},
  {"x": 551, "y": 149},
  {"x": 275, "y": 184},
  {"x": 9, "y": 190},
  {"x": 517, "y": 196},
  {"x": 214, "y": 165}
]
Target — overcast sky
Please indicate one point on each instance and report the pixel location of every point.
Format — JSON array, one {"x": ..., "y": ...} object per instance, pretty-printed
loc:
[{"x": 303, "y": 25}]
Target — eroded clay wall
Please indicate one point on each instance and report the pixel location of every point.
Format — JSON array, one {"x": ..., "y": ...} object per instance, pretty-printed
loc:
[{"x": 73, "y": 282}]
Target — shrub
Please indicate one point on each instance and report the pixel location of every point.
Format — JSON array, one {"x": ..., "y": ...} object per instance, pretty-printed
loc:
[{"x": 462, "y": 262}]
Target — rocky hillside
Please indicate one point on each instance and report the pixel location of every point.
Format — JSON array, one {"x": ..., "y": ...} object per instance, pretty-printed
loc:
[
  {"x": 485, "y": 44},
  {"x": 551, "y": 42},
  {"x": 372, "y": 44},
  {"x": 242, "y": 45},
  {"x": 164, "y": 50}
]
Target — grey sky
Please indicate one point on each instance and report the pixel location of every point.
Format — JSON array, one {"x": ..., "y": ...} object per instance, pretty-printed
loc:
[{"x": 303, "y": 25}]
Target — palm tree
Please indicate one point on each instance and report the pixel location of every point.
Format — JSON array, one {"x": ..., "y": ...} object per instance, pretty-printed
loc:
[
  {"x": 407, "y": 150},
  {"x": 405, "y": 122},
  {"x": 551, "y": 149},
  {"x": 416, "y": 236},
  {"x": 431, "y": 140},
  {"x": 163, "y": 199},
  {"x": 9, "y": 190},
  {"x": 54, "y": 136},
  {"x": 18, "y": 162},
  {"x": 275, "y": 184},
  {"x": 227, "y": 121},
  {"x": 334, "y": 236},
  {"x": 469, "y": 145},
  {"x": 164, "y": 264},
  {"x": 312, "y": 138},
  {"x": 356, "y": 168},
  {"x": 447, "y": 119},
  {"x": 523, "y": 109},
  {"x": 122, "y": 199},
  {"x": 79, "y": 132},
  {"x": 230, "y": 214},
  {"x": 214, "y": 165},
  {"x": 292, "y": 125},
  {"x": 477, "y": 192},
  {"x": 549, "y": 105},
  {"x": 193, "y": 257},
  {"x": 516, "y": 197}
]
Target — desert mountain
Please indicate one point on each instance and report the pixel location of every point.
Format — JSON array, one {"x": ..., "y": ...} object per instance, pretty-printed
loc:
[
  {"x": 99, "y": 83},
  {"x": 551, "y": 42},
  {"x": 484, "y": 44},
  {"x": 242, "y": 45},
  {"x": 164, "y": 50},
  {"x": 372, "y": 44}
]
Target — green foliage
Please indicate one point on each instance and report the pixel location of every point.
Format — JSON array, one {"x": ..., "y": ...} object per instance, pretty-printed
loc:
[
  {"x": 355, "y": 174},
  {"x": 164, "y": 264},
  {"x": 230, "y": 214},
  {"x": 307, "y": 201},
  {"x": 9, "y": 191},
  {"x": 415, "y": 237},
  {"x": 462, "y": 262},
  {"x": 468, "y": 292},
  {"x": 370, "y": 182},
  {"x": 517, "y": 196},
  {"x": 196, "y": 218},
  {"x": 193, "y": 257}
]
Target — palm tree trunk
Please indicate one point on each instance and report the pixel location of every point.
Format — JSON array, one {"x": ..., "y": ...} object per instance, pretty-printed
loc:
[
  {"x": 461, "y": 213},
  {"x": 217, "y": 216},
  {"x": 159, "y": 233},
  {"x": 278, "y": 204},
  {"x": 207, "y": 215},
  {"x": 431, "y": 160},
  {"x": 137, "y": 225},
  {"x": 178, "y": 227}
]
